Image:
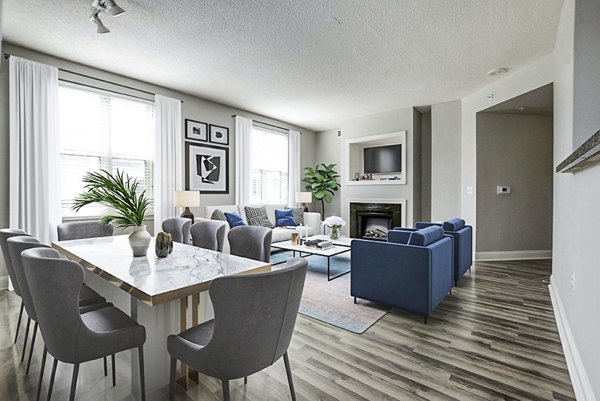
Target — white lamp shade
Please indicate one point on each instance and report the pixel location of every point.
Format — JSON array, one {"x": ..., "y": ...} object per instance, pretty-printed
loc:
[
  {"x": 187, "y": 198},
  {"x": 304, "y": 197}
]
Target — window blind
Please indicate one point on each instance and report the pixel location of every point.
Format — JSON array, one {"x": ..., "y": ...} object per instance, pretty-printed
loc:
[
  {"x": 268, "y": 166},
  {"x": 103, "y": 131}
]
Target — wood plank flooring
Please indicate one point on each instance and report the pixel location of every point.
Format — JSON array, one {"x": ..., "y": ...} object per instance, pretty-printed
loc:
[{"x": 494, "y": 338}]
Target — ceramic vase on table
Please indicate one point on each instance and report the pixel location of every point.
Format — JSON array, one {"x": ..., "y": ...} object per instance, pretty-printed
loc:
[{"x": 139, "y": 240}]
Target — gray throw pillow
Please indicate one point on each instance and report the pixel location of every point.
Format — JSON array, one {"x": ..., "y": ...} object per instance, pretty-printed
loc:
[
  {"x": 218, "y": 215},
  {"x": 257, "y": 216},
  {"x": 299, "y": 214}
]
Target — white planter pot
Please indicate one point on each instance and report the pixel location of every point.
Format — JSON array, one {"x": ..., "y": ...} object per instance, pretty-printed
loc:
[{"x": 139, "y": 240}]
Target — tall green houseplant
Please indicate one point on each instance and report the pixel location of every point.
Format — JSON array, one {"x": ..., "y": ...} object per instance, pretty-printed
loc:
[{"x": 322, "y": 182}]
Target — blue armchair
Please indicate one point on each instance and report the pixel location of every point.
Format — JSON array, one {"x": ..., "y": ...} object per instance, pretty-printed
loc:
[
  {"x": 463, "y": 244},
  {"x": 412, "y": 271}
]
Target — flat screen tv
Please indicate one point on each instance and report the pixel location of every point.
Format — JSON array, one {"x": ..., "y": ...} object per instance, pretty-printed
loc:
[{"x": 383, "y": 159}]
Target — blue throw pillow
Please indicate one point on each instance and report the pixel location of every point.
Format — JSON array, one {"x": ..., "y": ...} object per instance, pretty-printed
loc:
[
  {"x": 426, "y": 236},
  {"x": 234, "y": 220},
  {"x": 284, "y": 218}
]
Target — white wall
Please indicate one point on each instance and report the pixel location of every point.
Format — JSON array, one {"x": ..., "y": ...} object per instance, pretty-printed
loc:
[
  {"x": 327, "y": 150},
  {"x": 445, "y": 160},
  {"x": 576, "y": 200}
]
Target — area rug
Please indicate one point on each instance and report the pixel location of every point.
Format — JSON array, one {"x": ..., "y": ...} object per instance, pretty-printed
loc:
[{"x": 330, "y": 301}]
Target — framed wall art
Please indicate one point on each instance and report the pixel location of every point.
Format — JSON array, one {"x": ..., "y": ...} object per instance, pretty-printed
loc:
[
  {"x": 206, "y": 168},
  {"x": 219, "y": 135},
  {"x": 196, "y": 130}
]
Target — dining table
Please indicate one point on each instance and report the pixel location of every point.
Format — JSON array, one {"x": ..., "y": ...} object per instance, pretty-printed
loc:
[{"x": 164, "y": 294}]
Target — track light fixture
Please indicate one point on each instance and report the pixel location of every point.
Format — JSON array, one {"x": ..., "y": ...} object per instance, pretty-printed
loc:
[{"x": 109, "y": 7}]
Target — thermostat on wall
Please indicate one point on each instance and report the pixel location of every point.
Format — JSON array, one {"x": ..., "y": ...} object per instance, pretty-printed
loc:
[{"x": 500, "y": 190}]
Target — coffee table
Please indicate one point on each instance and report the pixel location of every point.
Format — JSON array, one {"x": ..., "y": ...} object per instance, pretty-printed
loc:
[{"x": 340, "y": 246}]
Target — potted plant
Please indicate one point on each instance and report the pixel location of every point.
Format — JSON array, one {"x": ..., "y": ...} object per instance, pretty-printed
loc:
[
  {"x": 120, "y": 193},
  {"x": 334, "y": 223},
  {"x": 322, "y": 182}
]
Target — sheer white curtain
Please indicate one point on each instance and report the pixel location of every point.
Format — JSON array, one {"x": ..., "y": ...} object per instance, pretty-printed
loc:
[
  {"x": 168, "y": 160},
  {"x": 34, "y": 199},
  {"x": 243, "y": 130},
  {"x": 294, "y": 166}
]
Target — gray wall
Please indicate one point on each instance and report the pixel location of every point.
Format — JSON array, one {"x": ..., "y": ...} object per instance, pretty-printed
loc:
[
  {"x": 417, "y": 166},
  {"x": 382, "y": 123},
  {"x": 426, "y": 166},
  {"x": 514, "y": 150},
  {"x": 586, "y": 84},
  {"x": 193, "y": 107},
  {"x": 328, "y": 150},
  {"x": 445, "y": 160}
]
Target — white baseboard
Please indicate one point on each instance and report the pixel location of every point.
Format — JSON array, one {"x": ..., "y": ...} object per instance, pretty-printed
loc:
[
  {"x": 579, "y": 378},
  {"x": 3, "y": 282},
  {"x": 513, "y": 255}
]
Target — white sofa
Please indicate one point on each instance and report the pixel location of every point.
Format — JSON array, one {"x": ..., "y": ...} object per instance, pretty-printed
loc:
[{"x": 312, "y": 221}]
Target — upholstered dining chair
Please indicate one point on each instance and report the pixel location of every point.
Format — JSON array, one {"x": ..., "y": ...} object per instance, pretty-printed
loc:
[
  {"x": 179, "y": 228},
  {"x": 252, "y": 242},
  {"x": 209, "y": 234},
  {"x": 5, "y": 234},
  {"x": 16, "y": 245},
  {"x": 254, "y": 321},
  {"x": 72, "y": 337},
  {"x": 84, "y": 229}
]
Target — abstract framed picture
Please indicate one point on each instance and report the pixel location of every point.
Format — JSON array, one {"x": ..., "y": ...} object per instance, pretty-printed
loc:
[
  {"x": 219, "y": 135},
  {"x": 206, "y": 168},
  {"x": 196, "y": 130}
]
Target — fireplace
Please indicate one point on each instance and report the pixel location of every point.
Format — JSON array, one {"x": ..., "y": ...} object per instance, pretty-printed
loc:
[{"x": 373, "y": 220}]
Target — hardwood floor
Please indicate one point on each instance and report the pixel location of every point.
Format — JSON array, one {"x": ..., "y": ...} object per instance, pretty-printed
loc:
[{"x": 494, "y": 338}]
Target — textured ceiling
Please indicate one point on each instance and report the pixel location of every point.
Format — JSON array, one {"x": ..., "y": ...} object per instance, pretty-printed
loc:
[
  {"x": 311, "y": 63},
  {"x": 539, "y": 101}
]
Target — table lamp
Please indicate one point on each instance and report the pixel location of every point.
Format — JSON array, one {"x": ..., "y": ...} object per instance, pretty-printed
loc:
[
  {"x": 187, "y": 199},
  {"x": 304, "y": 198}
]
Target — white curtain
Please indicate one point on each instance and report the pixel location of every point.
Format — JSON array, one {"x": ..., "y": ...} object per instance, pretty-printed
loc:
[
  {"x": 168, "y": 163},
  {"x": 34, "y": 199},
  {"x": 243, "y": 130},
  {"x": 294, "y": 166}
]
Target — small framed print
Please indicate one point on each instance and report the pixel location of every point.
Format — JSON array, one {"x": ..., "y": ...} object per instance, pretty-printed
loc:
[
  {"x": 196, "y": 130},
  {"x": 206, "y": 168},
  {"x": 219, "y": 135}
]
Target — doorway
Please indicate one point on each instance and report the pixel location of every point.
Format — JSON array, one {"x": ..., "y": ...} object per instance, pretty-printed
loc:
[{"x": 514, "y": 178}]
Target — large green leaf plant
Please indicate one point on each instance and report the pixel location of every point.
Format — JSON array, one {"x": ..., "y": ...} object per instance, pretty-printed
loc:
[
  {"x": 117, "y": 191},
  {"x": 322, "y": 182}
]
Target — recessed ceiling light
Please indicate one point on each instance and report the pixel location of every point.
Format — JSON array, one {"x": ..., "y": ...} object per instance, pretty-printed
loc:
[{"x": 497, "y": 71}]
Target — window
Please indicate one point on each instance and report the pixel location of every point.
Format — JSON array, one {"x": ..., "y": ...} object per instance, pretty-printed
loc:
[
  {"x": 268, "y": 167},
  {"x": 103, "y": 131}
]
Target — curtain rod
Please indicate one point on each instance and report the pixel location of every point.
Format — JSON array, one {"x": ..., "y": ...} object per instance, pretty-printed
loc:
[
  {"x": 270, "y": 125},
  {"x": 7, "y": 56}
]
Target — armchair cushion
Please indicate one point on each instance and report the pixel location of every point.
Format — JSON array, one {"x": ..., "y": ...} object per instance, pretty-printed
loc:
[
  {"x": 426, "y": 236},
  {"x": 454, "y": 224},
  {"x": 284, "y": 218},
  {"x": 234, "y": 220}
]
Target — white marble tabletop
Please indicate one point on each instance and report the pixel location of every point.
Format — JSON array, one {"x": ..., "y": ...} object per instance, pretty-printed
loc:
[{"x": 153, "y": 280}]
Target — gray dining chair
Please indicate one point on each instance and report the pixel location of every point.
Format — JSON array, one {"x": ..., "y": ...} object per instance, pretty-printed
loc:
[
  {"x": 252, "y": 242},
  {"x": 254, "y": 321},
  {"x": 209, "y": 234},
  {"x": 5, "y": 234},
  {"x": 72, "y": 337},
  {"x": 179, "y": 228},
  {"x": 84, "y": 229},
  {"x": 16, "y": 245}
]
